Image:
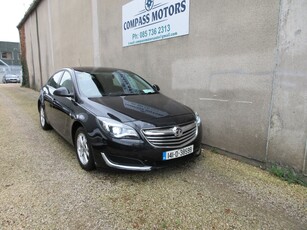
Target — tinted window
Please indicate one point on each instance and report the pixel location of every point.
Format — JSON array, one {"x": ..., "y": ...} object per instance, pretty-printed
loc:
[
  {"x": 54, "y": 80},
  {"x": 112, "y": 84}
]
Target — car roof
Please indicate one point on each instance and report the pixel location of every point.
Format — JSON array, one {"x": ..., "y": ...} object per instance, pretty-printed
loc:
[{"x": 89, "y": 69}]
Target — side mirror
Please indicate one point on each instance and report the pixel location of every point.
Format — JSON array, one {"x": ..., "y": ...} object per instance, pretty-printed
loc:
[
  {"x": 156, "y": 88},
  {"x": 62, "y": 92}
]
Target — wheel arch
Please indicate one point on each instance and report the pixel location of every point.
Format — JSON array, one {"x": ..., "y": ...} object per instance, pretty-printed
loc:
[
  {"x": 40, "y": 101},
  {"x": 38, "y": 104},
  {"x": 74, "y": 129}
]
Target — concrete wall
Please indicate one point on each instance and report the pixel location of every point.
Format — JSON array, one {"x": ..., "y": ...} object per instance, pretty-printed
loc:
[
  {"x": 32, "y": 54},
  {"x": 288, "y": 127},
  {"x": 58, "y": 35},
  {"x": 241, "y": 67},
  {"x": 223, "y": 69}
]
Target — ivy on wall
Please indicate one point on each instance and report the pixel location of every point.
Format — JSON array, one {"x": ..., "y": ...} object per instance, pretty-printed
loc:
[
  {"x": 24, "y": 65},
  {"x": 25, "y": 73}
]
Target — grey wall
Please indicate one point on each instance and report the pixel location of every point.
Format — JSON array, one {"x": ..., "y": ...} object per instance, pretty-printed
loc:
[
  {"x": 241, "y": 67},
  {"x": 288, "y": 127}
]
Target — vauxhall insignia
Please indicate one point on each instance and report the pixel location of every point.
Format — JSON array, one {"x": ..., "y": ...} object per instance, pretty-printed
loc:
[
  {"x": 177, "y": 131},
  {"x": 149, "y": 4}
]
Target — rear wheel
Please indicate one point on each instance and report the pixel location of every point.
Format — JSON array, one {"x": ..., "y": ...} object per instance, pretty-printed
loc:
[
  {"x": 84, "y": 150},
  {"x": 42, "y": 116}
]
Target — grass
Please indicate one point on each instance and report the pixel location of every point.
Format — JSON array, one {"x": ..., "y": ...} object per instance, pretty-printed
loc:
[{"x": 287, "y": 174}]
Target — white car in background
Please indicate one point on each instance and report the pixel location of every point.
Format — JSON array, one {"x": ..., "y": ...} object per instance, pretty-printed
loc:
[{"x": 10, "y": 78}]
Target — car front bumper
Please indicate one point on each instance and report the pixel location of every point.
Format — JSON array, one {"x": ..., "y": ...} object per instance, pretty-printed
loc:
[
  {"x": 139, "y": 155},
  {"x": 12, "y": 81}
]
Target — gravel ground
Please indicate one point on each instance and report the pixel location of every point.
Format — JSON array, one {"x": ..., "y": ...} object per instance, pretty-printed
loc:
[{"x": 43, "y": 187}]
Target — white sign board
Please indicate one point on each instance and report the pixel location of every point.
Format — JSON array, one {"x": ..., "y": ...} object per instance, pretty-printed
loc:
[{"x": 152, "y": 20}]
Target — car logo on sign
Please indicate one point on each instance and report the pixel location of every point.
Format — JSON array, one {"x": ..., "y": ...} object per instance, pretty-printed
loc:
[
  {"x": 177, "y": 131},
  {"x": 149, "y": 4}
]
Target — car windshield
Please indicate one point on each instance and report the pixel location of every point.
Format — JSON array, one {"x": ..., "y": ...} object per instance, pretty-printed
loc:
[{"x": 116, "y": 83}]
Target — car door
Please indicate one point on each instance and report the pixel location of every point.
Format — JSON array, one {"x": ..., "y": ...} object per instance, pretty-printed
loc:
[
  {"x": 64, "y": 107},
  {"x": 50, "y": 87}
]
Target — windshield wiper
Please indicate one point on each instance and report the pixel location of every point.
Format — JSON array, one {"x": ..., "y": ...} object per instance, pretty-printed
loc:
[
  {"x": 118, "y": 94},
  {"x": 140, "y": 92}
]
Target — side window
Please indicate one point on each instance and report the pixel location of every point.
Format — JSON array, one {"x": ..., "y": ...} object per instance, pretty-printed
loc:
[
  {"x": 54, "y": 80},
  {"x": 67, "y": 82}
]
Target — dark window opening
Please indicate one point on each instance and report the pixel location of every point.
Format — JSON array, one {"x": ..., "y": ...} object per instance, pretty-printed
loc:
[{"x": 7, "y": 55}]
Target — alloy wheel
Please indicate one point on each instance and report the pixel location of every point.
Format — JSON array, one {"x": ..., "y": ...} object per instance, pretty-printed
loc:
[
  {"x": 42, "y": 117},
  {"x": 82, "y": 149}
]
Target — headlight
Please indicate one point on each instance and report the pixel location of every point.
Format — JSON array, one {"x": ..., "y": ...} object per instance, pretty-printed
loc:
[
  {"x": 117, "y": 129},
  {"x": 198, "y": 120}
]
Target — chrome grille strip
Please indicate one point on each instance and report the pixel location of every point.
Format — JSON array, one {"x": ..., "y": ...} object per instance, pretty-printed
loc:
[
  {"x": 168, "y": 131},
  {"x": 170, "y": 136},
  {"x": 183, "y": 138},
  {"x": 164, "y": 137}
]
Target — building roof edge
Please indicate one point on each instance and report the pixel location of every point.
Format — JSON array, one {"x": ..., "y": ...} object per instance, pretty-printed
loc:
[{"x": 31, "y": 9}]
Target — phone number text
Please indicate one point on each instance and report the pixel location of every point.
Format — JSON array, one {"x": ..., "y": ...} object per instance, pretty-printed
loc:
[{"x": 152, "y": 32}]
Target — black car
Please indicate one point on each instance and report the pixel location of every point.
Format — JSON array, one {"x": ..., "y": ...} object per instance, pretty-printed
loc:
[{"x": 115, "y": 118}]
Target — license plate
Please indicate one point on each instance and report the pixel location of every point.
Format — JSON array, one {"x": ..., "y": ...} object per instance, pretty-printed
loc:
[{"x": 177, "y": 153}]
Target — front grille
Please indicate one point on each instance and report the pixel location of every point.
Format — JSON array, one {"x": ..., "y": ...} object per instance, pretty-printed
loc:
[{"x": 165, "y": 137}]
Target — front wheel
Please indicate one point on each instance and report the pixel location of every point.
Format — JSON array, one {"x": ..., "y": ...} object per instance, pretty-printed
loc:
[
  {"x": 43, "y": 121},
  {"x": 84, "y": 150}
]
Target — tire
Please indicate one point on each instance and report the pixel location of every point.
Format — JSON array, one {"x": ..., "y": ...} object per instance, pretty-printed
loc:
[
  {"x": 84, "y": 150},
  {"x": 42, "y": 118}
]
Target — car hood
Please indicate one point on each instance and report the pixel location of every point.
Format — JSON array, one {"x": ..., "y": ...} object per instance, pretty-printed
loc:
[{"x": 155, "y": 109}]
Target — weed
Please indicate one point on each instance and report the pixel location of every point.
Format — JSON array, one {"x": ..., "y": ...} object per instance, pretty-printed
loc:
[
  {"x": 164, "y": 225},
  {"x": 287, "y": 174},
  {"x": 214, "y": 150}
]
